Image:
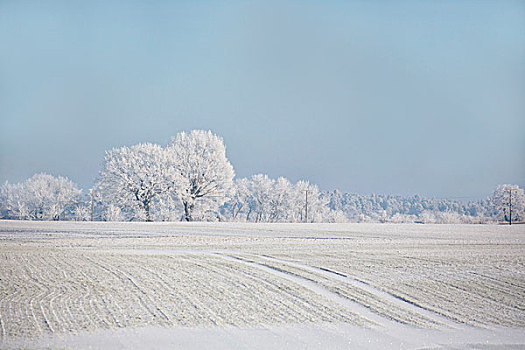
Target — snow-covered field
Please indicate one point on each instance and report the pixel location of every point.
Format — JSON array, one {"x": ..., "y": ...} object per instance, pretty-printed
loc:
[{"x": 226, "y": 285}]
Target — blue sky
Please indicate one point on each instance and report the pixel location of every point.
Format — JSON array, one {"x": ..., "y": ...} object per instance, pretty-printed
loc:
[{"x": 411, "y": 97}]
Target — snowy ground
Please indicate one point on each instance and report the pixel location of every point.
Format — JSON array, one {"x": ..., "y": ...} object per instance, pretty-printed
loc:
[{"x": 204, "y": 285}]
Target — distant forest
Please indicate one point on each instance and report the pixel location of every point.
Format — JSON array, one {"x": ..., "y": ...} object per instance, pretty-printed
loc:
[{"x": 391, "y": 208}]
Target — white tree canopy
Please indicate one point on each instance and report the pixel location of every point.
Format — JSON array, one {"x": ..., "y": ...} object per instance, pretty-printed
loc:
[
  {"x": 134, "y": 177},
  {"x": 41, "y": 197},
  {"x": 261, "y": 199},
  {"x": 14, "y": 201},
  {"x": 200, "y": 158}
]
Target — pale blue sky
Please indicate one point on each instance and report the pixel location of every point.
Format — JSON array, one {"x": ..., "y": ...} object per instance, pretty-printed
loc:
[{"x": 393, "y": 97}]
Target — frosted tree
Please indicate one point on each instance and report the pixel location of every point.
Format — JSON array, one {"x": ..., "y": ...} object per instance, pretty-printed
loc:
[
  {"x": 261, "y": 199},
  {"x": 200, "y": 158},
  {"x": 134, "y": 177},
  {"x": 14, "y": 202},
  {"x": 509, "y": 202},
  {"x": 82, "y": 209},
  {"x": 260, "y": 189},
  {"x": 264, "y": 199},
  {"x": 316, "y": 206},
  {"x": 49, "y": 196},
  {"x": 238, "y": 198},
  {"x": 113, "y": 213},
  {"x": 81, "y": 213},
  {"x": 399, "y": 218},
  {"x": 167, "y": 208},
  {"x": 281, "y": 200},
  {"x": 41, "y": 197},
  {"x": 449, "y": 217},
  {"x": 428, "y": 217}
]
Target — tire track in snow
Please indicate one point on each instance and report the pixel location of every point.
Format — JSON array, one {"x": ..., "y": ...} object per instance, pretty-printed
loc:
[
  {"x": 227, "y": 272},
  {"x": 296, "y": 304},
  {"x": 356, "y": 308},
  {"x": 289, "y": 299},
  {"x": 391, "y": 298},
  {"x": 359, "y": 308}
]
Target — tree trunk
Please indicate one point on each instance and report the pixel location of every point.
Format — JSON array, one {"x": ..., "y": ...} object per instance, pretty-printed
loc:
[
  {"x": 187, "y": 211},
  {"x": 148, "y": 215}
]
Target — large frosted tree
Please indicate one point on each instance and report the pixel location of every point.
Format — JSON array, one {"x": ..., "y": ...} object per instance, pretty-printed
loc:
[
  {"x": 133, "y": 178},
  {"x": 200, "y": 158}
]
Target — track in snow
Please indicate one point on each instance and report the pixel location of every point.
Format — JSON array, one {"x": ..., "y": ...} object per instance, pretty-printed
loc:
[{"x": 389, "y": 303}]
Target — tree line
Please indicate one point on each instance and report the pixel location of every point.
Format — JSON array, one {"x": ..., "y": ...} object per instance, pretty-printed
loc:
[{"x": 191, "y": 179}]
